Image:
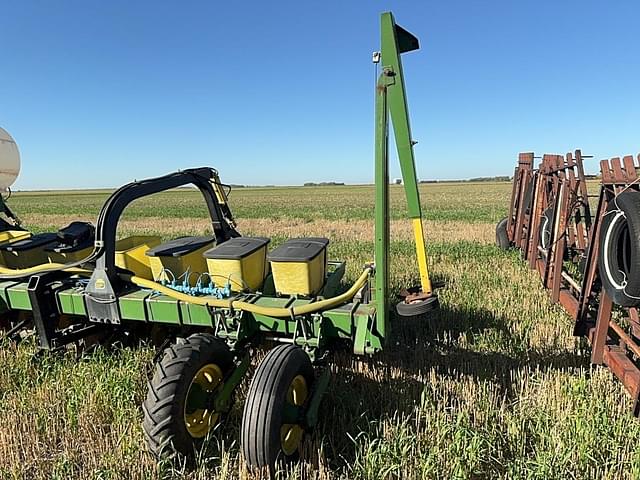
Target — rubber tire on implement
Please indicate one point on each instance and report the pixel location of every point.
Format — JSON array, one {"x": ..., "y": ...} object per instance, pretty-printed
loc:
[
  {"x": 421, "y": 307},
  {"x": 263, "y": 409},
  {"x": 502, "y": 239},
  {"x": 619, "y": 249},
  {"x": 164, "y": 422}
]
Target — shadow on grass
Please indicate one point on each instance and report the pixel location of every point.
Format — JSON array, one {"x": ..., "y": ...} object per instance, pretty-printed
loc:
[{"x": 393, "y": 384}]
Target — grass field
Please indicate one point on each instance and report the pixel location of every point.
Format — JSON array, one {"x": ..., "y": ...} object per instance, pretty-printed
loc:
[{"x": 494, "y": 386}]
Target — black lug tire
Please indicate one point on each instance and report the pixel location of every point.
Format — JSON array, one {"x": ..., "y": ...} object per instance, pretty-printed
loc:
[
  {"x": 544, "y": 230},
  {"x": 417, "y": 308},
  {"x": 619, "y": 250},
  {"x": 262, "y": 416},
  {"x": 164, "y": 426},
  {"x": 502, "y": 239}
]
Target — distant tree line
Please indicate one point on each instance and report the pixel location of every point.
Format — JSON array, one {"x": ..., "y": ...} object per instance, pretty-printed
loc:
[
  {"x": 323, "y": 184},
  {"x": 398, "y": 181},
  {"x": 498, "y": 178}
]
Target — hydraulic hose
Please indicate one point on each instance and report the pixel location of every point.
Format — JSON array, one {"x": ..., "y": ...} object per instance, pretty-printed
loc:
[
  {"x": 71, "y": 267},
  {"x": 250, "y": 307},
  {"x": 10, "y": 273}
]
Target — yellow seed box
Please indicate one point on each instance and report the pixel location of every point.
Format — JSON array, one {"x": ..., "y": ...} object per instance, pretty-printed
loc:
[
  {"x": 299, "y": 266},
  {"x": 241, "y": 262}
]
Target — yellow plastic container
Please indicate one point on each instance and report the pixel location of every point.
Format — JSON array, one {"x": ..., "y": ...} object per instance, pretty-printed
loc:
[
  {"x": 179, "y": 256},
  {"x": 9, "y": 236},
  {"x": 241, "y": 262},
  {"x": 66, "y": 255},
  {"x": 29, "y": 251},
  {"x": 73, "y": 243},
  {"x": 130, "y": 254},
  {"x": 13, "y": 235},
  {"x": 299, "y": 266}
]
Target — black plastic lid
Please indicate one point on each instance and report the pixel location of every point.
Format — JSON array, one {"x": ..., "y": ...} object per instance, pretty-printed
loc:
[
  {"x": 34, "y": 241},
  {"x": 299, "y": 250},
  {"x": 76, "y": 233},
  {"x": 180, "y": 246},
  {"x": 237, "y": 248}
]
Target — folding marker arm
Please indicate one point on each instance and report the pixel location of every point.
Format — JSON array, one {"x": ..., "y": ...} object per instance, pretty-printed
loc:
[
  {"x": 395, "y": 41},
  {"x": 391, "y": 101}
]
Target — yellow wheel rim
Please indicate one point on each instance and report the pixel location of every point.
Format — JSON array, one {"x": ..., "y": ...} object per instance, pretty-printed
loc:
[
  {"x": 200, "y": 421},
  {"x": 290, "y": 433}
]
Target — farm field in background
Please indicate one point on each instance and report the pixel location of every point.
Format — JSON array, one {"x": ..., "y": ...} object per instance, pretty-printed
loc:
[{"x": 493, "y": 386}]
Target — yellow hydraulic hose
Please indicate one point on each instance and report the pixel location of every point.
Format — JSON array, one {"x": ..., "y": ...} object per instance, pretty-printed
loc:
[
  {"x": 206, "y": 301},
  {"x": 44, "y": 267},
  {"x": 250, "y": 307}
]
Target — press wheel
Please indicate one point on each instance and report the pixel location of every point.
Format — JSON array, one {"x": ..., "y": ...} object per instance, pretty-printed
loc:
[{"x": 273, "y": 425}]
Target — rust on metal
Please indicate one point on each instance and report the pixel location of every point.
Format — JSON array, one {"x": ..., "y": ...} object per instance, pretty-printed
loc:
[{"x": 559, "y": 186}]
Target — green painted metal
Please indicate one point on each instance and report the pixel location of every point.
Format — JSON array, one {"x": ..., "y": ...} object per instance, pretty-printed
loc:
[
  {"x": 4, "y": 297},
  {"x": 196, "y": 315},
  {"x": 391, "y": 100},
  {"x": 18, "y": 297},
  {"x": 365, "y": 324},
  {"x": 164, "y": 309},
  {"x": 222, "y": 402},
  {"x": 141, "y": 305},
  {"x": 397, "y": 103},
  {"x": 319, "y": 389},
  {"x": 70, "y": 302},
  {"x": 132, "y": 305},
  {"x": 341, "y": 322},
  {"x": 198, "y": 398},
  {"x": 381, "y": 294},
  {"x": 349, "y": 321}
]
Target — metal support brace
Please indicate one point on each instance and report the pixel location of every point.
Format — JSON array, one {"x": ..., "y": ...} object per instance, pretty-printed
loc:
[
  {"x": 44, "y": 308},
  {"x": 222, "y": 401},
  {"x": 319, "y": 389},
  {"x": 396, "y": 40}
]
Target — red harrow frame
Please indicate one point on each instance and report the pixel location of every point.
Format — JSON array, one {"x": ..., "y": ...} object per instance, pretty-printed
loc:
[{"x": 589, "y": 263}]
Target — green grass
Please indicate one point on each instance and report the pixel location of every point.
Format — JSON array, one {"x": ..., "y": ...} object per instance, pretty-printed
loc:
[
  {"x": 493, "y": 386},
  {"x": 445, "y": 201}
]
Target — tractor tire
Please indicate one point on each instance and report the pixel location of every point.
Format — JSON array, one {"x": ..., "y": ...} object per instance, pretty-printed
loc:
[
  {"x": 284, "y": 378},
  {"x": 191, "y": 367},
  {"x": 502, "y": 239},
  {"x": 619, "y": 250}
]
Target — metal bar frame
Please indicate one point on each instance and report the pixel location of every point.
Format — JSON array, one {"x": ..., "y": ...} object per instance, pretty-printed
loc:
[
  {"x": 104, "y": 283},
  {"x": 107, "y": 299},
  {"x": 561, "y": 186},
  {"x": 394, "y": 41}
]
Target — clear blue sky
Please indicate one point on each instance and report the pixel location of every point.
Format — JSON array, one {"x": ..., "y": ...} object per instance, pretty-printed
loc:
[{"x": 97, "y": 93}]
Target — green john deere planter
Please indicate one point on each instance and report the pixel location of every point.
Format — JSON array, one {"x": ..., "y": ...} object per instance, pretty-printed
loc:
[{"x": 210, "y": 301}]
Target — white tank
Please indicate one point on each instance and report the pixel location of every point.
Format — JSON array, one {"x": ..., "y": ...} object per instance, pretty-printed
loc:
[{"x": 9, "y": 160}]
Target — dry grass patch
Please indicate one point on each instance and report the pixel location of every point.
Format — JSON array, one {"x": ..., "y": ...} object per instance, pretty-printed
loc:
[
  {"x": 355, "y": 230},
  {"x": 492, "y": 386}
]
